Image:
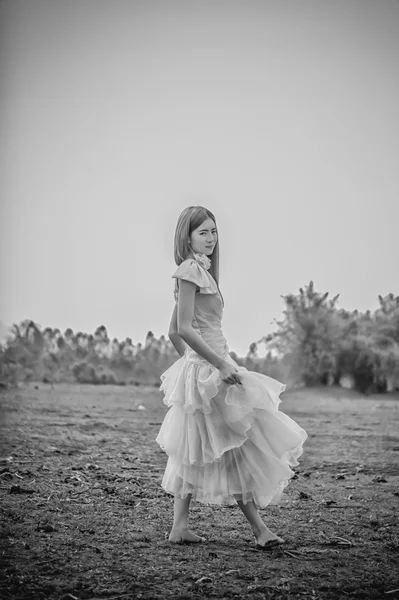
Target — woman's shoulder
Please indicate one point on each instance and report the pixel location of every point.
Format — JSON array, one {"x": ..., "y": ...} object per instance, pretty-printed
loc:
[
  {"x": 189, "y": 262},
  {"x": 191, "y": 270}
]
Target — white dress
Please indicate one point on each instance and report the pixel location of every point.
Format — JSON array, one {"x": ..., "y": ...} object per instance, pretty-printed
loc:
[{"x": 223, "y": 441}]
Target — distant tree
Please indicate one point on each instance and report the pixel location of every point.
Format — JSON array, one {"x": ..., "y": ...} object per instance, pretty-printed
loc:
[
  {"x": 148, "y": 338},
  {"x": 308, "y": 334},
  {"x": 101, "y": 333}
]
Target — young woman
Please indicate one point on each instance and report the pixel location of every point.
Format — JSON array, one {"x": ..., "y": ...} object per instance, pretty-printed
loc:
[{"x": 226, "y": 440}]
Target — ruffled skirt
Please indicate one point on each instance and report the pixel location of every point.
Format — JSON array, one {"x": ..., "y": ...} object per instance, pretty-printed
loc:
[{"x": 226, "y": 442}]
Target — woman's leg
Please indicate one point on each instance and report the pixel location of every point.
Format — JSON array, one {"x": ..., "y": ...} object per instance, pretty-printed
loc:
[
  {"x": 252, "y": 515},
  {"x": 180, "y": 531},
  {"x": 261, "y": 532},
  {"x": 180, "y": 512}
]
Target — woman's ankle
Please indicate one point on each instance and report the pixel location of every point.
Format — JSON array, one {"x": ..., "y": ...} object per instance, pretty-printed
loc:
[
  {"x": 180, "y": 527},
  {"x": 258, "y": 529}
]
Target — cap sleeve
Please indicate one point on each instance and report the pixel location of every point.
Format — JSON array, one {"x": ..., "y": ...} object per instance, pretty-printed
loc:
[{"x": 190, "y": 270}]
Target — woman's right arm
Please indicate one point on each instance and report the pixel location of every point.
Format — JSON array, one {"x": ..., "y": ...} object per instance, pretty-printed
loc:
[
  {"x": 174, "y": 337},
  {"x": 178, "y": 343}
]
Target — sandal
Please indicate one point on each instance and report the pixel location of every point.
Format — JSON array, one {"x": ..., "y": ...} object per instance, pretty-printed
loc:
[{"x": 269, "y": 544}]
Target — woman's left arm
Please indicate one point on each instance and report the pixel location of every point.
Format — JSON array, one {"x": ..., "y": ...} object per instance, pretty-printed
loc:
[{"x": 174, "y": 337}]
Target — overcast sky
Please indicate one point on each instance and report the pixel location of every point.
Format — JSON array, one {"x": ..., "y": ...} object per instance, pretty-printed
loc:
[{"x": 279, "y": 116}]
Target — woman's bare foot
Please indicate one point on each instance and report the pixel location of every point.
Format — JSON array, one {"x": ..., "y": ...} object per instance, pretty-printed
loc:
[
  {"x": 184, "y": 536},
  {"x": 267, "y": 539}
]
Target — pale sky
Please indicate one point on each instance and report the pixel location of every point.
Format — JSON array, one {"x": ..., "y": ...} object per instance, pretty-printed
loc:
[{"x": 280, "y": 116}]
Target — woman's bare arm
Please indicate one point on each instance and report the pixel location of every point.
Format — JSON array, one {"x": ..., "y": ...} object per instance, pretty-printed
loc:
[
  {"x": 178, "y": 343},
  {"x": 174, "y": 337}
]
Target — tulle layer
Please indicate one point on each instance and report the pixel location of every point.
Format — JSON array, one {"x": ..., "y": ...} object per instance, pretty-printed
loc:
[{"x": 224, "y": 441}]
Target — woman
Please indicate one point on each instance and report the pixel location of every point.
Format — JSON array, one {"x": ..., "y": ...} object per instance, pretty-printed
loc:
[{"x": 225, "y": 438}]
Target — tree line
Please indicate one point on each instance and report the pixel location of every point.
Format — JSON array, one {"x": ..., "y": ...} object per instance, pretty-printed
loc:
[
  {"x": 321, "y": 344},
  {"x": 315, "y": 343}
]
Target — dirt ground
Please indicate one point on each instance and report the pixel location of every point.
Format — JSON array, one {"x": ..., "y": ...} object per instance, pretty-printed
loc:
[{"x": 84, "y": 516}]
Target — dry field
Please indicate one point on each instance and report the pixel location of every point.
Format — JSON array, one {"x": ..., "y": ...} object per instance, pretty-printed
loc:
[{"x": 84, "y": 516}]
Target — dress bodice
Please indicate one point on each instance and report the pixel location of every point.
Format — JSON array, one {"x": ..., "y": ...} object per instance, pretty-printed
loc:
[{"x": 208, "y": 308}]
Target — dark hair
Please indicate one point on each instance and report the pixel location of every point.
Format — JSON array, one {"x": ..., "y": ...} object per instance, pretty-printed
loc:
[{"x": 189, "y": 220}]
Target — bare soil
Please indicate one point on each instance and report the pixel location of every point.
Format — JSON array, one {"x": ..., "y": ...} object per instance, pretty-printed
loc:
[{"x": 84, "y": 516}]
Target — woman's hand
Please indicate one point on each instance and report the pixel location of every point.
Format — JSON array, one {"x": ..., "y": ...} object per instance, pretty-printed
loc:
[{"x": 229, "y": 373}]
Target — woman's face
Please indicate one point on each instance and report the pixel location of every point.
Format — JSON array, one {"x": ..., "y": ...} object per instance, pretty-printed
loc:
[{"x": 204, "y": 238}]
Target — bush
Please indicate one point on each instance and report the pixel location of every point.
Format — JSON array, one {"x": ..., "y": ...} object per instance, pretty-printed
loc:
[{"x": 84, "y": 373}]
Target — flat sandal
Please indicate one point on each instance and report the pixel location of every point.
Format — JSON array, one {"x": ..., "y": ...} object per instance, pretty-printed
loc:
[{"x": 270, "y": 544}]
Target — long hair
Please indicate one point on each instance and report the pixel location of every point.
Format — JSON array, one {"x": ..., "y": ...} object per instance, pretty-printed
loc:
[{"x": 191, "y": 218}]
